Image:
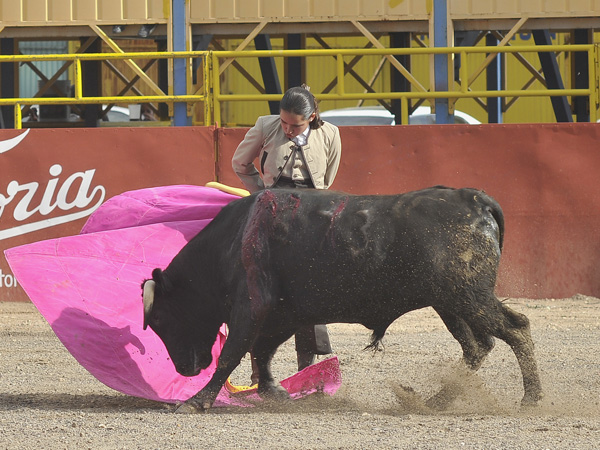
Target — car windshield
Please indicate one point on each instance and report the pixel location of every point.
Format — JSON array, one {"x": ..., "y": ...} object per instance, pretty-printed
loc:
[{"x": 377, "y": 115}]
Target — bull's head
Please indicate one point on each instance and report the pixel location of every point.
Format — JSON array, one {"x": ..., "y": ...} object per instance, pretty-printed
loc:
[{"x": 173, "y": 313}]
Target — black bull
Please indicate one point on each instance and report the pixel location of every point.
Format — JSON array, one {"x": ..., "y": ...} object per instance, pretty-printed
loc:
[{"x": 278, "y": 260}]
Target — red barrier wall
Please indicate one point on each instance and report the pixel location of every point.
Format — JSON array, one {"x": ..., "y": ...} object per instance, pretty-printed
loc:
[
  {"x": 544, "y": 176},
  {"x": 52, "y": 179}
]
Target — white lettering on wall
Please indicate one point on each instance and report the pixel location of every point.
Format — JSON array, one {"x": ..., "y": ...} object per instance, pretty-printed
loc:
[
  {"x": 76, "y": 192},
  {"x": 8, "y": 280},
  {"x": 9, "y": 144}
]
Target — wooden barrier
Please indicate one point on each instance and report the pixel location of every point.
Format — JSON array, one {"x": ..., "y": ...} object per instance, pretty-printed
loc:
[
  {"x": 51, "y": 180},
  {"x": 544, "y": 176}
]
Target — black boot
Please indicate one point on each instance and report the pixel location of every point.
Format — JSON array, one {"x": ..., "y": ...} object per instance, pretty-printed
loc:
[
  {"x": 254, "y": 376},
  {"x": 305, "y": 360}
]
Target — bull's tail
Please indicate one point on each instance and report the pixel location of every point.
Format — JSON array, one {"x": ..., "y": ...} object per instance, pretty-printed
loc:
[{"x": 376, "y": 337}]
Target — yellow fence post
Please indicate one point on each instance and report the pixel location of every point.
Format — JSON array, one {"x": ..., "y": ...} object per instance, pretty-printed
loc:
[
  {"x": 207, "y": 88},
  {"x": 340, "y": 74},
  {"x": 404, "y": 110},
  {"x": 215, "y": 89},
  {"x": 78, "y": 79},
  {"x": 464, "y": 72},
  {"x": 189, "y": 66},
  {"x": 593, "y": 61},
  {"x": 18, "y": 117}
]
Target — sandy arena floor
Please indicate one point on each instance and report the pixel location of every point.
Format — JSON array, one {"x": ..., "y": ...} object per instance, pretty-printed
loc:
[{"x": 47, "y": 400}]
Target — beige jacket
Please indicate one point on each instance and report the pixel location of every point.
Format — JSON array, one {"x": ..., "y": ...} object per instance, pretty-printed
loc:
[{"x": 267, "y": 142}]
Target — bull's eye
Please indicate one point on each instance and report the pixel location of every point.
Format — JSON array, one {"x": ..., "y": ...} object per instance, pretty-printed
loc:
[{"x": 155, "y": 320}]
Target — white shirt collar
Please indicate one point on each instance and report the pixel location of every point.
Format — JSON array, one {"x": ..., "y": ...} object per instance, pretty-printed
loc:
[{"x": 302, "y": 138}]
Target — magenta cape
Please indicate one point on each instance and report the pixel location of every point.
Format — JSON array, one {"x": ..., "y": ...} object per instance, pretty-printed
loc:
[{"x": 88, "y": 289}]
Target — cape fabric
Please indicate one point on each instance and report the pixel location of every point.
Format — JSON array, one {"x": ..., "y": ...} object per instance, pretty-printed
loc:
[{"x": 88, "y": 288}]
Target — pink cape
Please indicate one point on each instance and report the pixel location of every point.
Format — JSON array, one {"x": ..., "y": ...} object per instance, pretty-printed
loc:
[{"x": 88, "y": 289}]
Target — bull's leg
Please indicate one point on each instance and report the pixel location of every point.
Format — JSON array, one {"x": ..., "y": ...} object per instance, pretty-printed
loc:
[
  {"x": 475, "y": 349},
  {"x": 491, "y": 317},
  {"x": 263, "y": 351},
  {"x": 238, "y": 343},
  {"x": 228, "y": 360},
  {"x": 515, "y": 331}
]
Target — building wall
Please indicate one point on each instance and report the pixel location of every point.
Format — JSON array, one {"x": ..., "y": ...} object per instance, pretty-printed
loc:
[
  {"x": 53, "y": 12},
  {"x": 33, "y": 12},
  {"x": 210, "y": 11}
]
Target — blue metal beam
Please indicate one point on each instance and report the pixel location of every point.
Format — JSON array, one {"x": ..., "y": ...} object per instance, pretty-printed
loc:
[
  {"x": 180, "y": 117},
  {"x": 440, "y": 39},
  {"x": 494, "y": 82}
]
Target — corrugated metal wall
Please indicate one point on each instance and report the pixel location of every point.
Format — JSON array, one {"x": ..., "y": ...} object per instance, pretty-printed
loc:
[
  {"x": 238, "y": 11},
  {"x": 28, "y": 79},
  {"x": 50, "y": 12},
  {"x": 477, "y": 9},
  {"x": 210, "y": 11}
]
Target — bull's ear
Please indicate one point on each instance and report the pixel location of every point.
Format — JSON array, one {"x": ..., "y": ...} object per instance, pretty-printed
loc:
[
  {"x": 157, "y": 275},
  {"x": 149, "y": 287},
  {"x": 162, "y": 281}
]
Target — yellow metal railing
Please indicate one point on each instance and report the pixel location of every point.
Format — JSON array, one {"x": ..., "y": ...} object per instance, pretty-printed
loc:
[
  {"x": 464, "y": 91},
  {"x": 215, "y": 63},
  {"x": 79, "y": 99}
]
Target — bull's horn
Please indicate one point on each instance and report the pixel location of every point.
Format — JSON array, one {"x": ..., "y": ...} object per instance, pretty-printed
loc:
[{"x": 148, "y": 300}]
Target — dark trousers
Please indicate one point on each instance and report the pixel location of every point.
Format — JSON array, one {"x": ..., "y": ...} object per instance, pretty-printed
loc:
[
  {"x": 310, "y": 341},
  {"x": 314, "y": 340},
  {"x": 288, "y": 183}
]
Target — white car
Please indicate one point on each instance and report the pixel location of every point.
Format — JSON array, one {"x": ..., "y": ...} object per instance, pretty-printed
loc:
[
  {"x": 116, "y": 114},
  {"x": 378, "y": 115}
]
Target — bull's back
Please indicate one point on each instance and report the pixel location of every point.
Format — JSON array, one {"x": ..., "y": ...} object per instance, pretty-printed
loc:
[{"x": 328, "y": 246}]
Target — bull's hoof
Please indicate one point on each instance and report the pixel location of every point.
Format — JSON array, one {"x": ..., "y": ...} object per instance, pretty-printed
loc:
[
  {"x": 274, "y": 392},
  {"x": 409, "y": 400},
  {"x": 530, "y": 401},
  {"x": 191, "y": 407},
  {"x": 441, "y": 401}
]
